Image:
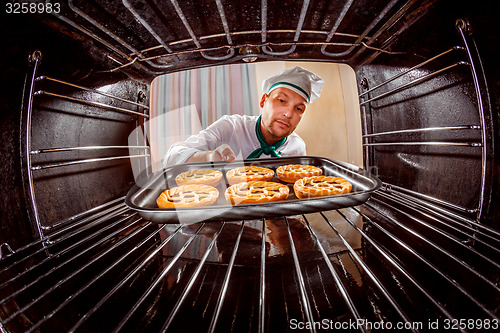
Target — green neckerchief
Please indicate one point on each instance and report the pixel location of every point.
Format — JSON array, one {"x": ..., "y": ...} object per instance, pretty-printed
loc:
[{"x": 265, "y": 148}]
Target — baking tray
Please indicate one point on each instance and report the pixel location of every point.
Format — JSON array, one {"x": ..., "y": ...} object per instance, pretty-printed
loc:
[{"x": 142, "y": 197}]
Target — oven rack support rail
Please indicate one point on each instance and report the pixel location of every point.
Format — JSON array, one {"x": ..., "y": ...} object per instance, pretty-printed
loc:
[
  {"x": 116, "y": 237},
  {"x": 473, "y": 62},
  {"x": 28, "y": 151},
  {"x": 156, "y": 64}
]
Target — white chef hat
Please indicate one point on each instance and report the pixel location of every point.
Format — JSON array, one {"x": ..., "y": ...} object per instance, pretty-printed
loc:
[{"x": 303, "y": 82}]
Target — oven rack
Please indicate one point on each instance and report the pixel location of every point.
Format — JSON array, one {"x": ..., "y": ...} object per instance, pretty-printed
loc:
[
  {"x": 485, "y": 145},
  {"x": 152, "y": 59},
  {"x": 364, "y": 275},
  {"x": 140, "y": 151},
  {"x": 366, "y": 103}
]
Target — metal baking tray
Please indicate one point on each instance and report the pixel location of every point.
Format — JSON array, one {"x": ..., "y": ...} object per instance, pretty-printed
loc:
[{"x": 142, "y": 197}]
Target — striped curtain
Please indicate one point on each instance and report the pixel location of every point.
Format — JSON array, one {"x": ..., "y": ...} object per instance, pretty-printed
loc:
[{"x": 184, "y": 103}]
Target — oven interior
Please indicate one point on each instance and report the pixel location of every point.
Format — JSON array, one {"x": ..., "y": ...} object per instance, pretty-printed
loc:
[{"x": 422, "y": 253}]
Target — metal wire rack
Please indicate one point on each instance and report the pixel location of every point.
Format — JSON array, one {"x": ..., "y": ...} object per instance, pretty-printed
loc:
[
  {"x": 30, "y": 153},
  {"x": 330, "y": 44},
  {"x": 355, "y": 265},
  {"x": 404, "y": 260},
  {"x": 483, "y": 127}
]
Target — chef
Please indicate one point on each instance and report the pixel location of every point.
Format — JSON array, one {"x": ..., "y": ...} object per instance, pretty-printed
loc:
[{"x": 237, "y": 137}]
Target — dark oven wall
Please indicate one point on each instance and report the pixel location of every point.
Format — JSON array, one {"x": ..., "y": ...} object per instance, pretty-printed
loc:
[
  {"x": 425, "y": 128},
  {"x": 71, "y": 172},
  {"x": 118, "y": 48},
  {"x": 103, "y": 45},
  {"x": 417, "y": 251}
]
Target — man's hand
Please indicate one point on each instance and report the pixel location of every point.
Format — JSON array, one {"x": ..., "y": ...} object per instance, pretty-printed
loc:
[{"x": 223, "y": 153}]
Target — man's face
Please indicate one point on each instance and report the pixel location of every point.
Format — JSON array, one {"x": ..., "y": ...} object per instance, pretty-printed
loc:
[{"x": 282, "y": 110}]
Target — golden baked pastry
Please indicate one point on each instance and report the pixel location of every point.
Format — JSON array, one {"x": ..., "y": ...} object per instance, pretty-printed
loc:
[
  {"x": 256, "y": 192},
  {"x": 201, "y": 176},
  {"x": 249, "y": 173},
  {"x": 319, "y": 186},
  {"x": 292, "y": 172},
  {"x": 186, "y": 196}
]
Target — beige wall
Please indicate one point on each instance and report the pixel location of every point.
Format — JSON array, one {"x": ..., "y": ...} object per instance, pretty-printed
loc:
[{"x": 331, "y": 126}]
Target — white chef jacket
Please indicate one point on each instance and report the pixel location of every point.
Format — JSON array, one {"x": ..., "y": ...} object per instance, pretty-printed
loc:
[{"x": 238, "y": 132}]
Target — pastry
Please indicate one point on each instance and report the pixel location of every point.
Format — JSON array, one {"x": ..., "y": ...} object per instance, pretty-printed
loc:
[
  {"x": 256, "y": 192},
  {"x": 249, "y": 173},
  {"x": 186, "y": 196},
  {"x": 292, "y": 172},
  {"x": 201, "y": 176},
  {"x": 319, "y": 186}
]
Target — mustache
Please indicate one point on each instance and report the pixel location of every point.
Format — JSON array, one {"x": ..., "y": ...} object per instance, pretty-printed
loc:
[{"x": 283, "y": 121}]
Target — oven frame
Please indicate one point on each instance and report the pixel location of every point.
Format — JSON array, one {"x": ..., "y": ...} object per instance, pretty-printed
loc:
[{"x": 396, "y": 221}]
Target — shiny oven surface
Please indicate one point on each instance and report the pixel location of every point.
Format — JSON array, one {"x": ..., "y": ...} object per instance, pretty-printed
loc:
[{"x": 421, "y": 254}]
